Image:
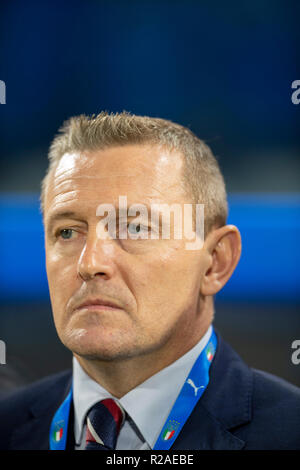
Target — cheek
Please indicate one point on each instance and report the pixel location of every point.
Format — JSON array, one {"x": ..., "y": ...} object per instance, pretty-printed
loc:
[
  {"x": 60, "y": 259},
  {"x": 62, "y": 279},
  {"x": 168, "y": 283}
]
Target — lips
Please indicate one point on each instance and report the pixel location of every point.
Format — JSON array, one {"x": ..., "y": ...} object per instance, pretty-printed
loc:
[{"x": 94, "y": 304}]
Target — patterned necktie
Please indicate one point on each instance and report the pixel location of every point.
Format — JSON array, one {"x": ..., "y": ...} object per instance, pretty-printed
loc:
[{"x": 104, "y": 421}]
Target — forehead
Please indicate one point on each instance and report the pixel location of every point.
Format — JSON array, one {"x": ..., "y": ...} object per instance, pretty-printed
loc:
[{"x": 140, "y": 172}]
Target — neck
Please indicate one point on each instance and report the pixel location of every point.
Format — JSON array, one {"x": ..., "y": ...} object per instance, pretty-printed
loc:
[{"x": 120, "y": 376}]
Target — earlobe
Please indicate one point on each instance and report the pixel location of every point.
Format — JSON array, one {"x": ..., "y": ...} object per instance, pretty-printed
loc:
[{"x": 224, "y": 246}]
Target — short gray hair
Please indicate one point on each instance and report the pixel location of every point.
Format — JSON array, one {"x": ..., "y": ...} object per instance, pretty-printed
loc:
[{"x": 202, "y": 177}]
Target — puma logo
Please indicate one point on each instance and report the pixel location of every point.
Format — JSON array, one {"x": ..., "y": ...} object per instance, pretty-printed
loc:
[{"x": 191, "y": 383}]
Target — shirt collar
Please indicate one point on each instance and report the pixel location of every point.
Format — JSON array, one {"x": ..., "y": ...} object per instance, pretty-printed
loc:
[{"x": 149, "y": 404}]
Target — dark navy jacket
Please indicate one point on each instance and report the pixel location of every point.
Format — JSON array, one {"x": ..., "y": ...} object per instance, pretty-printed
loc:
[{"x": 241, "y": 408}]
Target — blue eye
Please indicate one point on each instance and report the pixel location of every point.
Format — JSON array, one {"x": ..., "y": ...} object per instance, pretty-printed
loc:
[
  {"x": 66, "y": 233},
  {"x": 134, "y": 229}
]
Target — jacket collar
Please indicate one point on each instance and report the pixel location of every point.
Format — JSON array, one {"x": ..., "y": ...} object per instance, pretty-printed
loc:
[{"x": 225, "y": 404}]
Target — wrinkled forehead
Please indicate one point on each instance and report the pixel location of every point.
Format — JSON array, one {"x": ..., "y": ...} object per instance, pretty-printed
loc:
[{"x": 138, "y": 171}]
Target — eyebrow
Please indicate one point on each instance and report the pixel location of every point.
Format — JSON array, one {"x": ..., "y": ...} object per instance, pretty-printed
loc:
[
  {"x": 62, "y": 215},
  {"x": 73, "y": 215}
]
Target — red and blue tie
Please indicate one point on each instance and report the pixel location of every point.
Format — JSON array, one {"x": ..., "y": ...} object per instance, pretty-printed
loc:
[{"x": 104, "y": 421}]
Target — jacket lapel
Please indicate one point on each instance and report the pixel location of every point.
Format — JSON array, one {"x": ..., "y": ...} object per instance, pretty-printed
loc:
[
  {"x": 225, "y": 404},
  {"x": 34, "y": 433},
  {"x": 203, "y": 432},
  {"x": 37, "y": 429}
]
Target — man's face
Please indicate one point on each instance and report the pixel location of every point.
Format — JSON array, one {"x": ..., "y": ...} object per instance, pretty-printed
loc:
[{"x": 154, "y": 283}]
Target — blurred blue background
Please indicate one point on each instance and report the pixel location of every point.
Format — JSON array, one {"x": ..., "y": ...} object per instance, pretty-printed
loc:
[{"x": 223, "y": 69}]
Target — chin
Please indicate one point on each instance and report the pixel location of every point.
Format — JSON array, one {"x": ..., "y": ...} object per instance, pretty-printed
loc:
[{"x": 93, "y": 345}]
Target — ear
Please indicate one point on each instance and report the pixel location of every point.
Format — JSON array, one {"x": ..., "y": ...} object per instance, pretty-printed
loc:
[{"x": 223, "y": 247}]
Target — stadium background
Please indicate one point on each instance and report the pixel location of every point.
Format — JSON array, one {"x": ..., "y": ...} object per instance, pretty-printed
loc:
[{"x": 225, "y": 70}]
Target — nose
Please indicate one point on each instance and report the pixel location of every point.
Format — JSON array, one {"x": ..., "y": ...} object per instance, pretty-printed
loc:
[{"x": 96, "y": 259}]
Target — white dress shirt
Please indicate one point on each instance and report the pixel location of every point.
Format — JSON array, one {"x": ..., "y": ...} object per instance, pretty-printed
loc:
[{"x": 147, "y": 406}]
